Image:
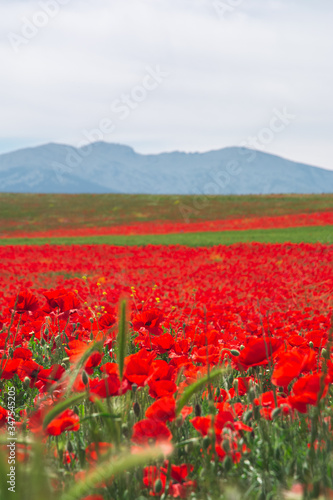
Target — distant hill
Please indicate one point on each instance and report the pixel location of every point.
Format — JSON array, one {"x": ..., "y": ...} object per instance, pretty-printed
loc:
[{"x": 113, "y": 168}]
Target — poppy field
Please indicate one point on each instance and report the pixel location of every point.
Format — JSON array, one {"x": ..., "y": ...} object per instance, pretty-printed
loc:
[
  {"x": 166, "y": 371},
  {"x": 51, "y": 215}
]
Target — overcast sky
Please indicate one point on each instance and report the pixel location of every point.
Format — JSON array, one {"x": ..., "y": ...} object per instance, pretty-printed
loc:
[{"x": 163, "y": 75}]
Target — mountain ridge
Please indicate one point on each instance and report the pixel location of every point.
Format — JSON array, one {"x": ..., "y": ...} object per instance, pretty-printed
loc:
[{"x": 103, "y": 167}]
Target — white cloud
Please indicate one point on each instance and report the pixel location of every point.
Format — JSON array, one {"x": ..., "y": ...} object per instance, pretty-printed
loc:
[{"x": 226, "y": 75}]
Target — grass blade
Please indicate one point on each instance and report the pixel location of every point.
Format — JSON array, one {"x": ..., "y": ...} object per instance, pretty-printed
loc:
[
  {"x": 122, "y": 338},
  {"x": 62, "y": 406},
  {"x": 96, "y": 346},
  {"x": 111, "y": 469},
  {"x": 196, "y": 386}
]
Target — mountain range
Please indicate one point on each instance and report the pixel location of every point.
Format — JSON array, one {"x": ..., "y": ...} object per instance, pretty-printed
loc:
[{"x": 113, "y": 168}]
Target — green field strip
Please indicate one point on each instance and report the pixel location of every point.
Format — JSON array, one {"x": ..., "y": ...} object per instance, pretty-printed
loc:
[{"x": 312, "y": 234}]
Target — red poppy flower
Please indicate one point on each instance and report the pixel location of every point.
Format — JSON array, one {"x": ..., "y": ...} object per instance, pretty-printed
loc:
[
  {"x": 162, "y": 343},
  {"x": 161, "y": 388},
  {"x": 94, "y": 360},
  {"x": 202, "y": 424},
  {"x": 22, "y": 353},
  {"x": 75, "y": 350},
  {"x": 26, "y": 302},
  {"x": 106, "y": 321},
  {"x": 138, "y": 367},
  {"x": 148, "y": 319},
  {"x": 243, "y": 385},
  {"x": 306, "y": 391},
  {"x": 180, "y": 472},
  {"x": 223, "y": 419},
  {"x": 62, "y": 299},
  {"x": 94, "y": 451},
  {"x": 258, "y": 351},
  {"x": 186, "y": 411},
  {"x": 163, "y": 409},
  {"x": 203, "y": 355},
  {"x": 150, "y": 431},
  {"x": 110, "y": 368},
  {"x": 161, "y": 370},
  {"x": 286, "y": 369},
  {"x": 291, "y": 364},
  {"x": 3, "y": 417},
  {"x": 51, "y": 375},
  {"x": 105, "y": 387},
  {"x": 8, "y": 368},
  {"x": 150, "y": 475},
  {"x": 179, "y": 487},
  {"x": 67, "y": 421},
  {"x": 28, "y": 368},
  {"x": 35, "y": 421}
]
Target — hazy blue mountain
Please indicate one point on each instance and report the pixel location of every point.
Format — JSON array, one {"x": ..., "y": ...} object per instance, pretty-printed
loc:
[{"x": 113, "y": 168}]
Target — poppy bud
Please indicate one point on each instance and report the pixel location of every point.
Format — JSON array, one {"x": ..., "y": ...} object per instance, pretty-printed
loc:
[
  {"x": 234, "y": 352},
  {"x": 324, "y": 353},
  {"x": 227, "y": 462},
  {"x": 58, "y": 340},
  {"x": 26, "y": 383},
  {"x": 226, "y": 445},
  {"x": 311, "y": 344},
  {"x": 251, "y": 394},
  {"x": 85, "y": 378},
  {"x": 189, "y": 447},
  {"x": 206, "y": 442},
  {"x": 42, "y": 340},
  {"x": 134, "y": 387},
  {"x": 275, "y": 413},
  {"x": 136, "y": 409},
  {"x": 158, "y": 486},
  {"x": 218, "y": 393},
  {"x": 197, "y": 410},
  {"x": 124, "y": 429},
  {"x": 179, "y": 421},
  {"x": 256, "y": 412},
  {"x": 247, "y": 416},
  {"x": 10, "y": 352},
  {"x": 242, "y": 347},
  {"x": 76, "y": 410},
  {"x": 70, "y": 448}
]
